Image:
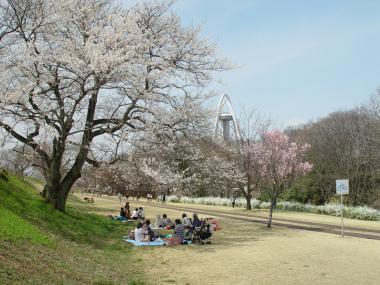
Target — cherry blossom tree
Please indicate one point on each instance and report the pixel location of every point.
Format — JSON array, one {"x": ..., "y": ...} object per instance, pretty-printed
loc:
[
  {"x": 279, "y": 162},
  {"x": 77, "y": 73},
  {"x": 252, "y": 126}
]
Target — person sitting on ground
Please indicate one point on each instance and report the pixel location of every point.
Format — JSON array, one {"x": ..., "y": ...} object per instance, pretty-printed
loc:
[
  {"x": 141, "y": 213},
  {"x": 140, "y": 231},
  {"x": 209, "y": 221},
  {"x": 135, "y": 214},
  {"x": 127, "y": 210},
  {"x": 186, "y": 221},
  {"x": 123, "y": 213},
  {"x": 196, "y": 221},
  {"x": 179, "y": 230},
  {"x": 150, "y": 231},
  {"x": 166, "y": 222}
]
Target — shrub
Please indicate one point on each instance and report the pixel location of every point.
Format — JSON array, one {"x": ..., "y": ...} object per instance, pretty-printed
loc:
[{"x": 332, "y": 209}]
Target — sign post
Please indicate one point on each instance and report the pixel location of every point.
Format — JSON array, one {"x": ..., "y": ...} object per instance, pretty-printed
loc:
[{"x": 342, "y": 188}]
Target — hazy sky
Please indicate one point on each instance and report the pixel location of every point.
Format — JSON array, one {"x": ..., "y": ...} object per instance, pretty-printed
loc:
[{"x": 299, "y": 60}]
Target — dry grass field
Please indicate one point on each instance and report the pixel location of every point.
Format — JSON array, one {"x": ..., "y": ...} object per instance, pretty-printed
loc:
[{"x": 248, "y": 253}]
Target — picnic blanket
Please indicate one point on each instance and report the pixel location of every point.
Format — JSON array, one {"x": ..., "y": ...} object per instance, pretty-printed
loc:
[{"x": 150, "y": 243}]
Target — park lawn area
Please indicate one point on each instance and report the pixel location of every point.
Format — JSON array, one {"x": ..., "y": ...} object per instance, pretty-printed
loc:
[
  {"x": 41, "y": 246},
  {"x": 247, "y": 253}
]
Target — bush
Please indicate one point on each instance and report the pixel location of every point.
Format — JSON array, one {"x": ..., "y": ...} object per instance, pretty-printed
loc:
[
  {"x": 332, "y": 209},
  {"x": 173, "y": 199}
]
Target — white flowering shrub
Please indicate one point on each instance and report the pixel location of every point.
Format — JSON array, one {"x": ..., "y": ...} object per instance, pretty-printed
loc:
[
  {"x": 328, "y": 209},
  {"x": 255, "y": 204},
  {"x": 173, "y": 199},
  {"x": 360, "y": 213},
  {"x": 264, "y": 205}
]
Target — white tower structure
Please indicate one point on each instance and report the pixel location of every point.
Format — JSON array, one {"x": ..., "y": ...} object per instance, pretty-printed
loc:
[{"x": 225, "y": 117}]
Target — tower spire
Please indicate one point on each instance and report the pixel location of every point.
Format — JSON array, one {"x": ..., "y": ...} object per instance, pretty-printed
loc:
[{"x": 225, "y": 118}]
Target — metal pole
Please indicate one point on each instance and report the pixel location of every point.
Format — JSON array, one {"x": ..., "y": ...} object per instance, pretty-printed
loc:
[{"x": 341, "y": 202}]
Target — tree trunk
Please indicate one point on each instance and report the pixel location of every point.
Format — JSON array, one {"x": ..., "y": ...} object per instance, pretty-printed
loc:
[
  {"x": 272, "y": 204},
  {"x": 59, "y": 200},
  {"x": 247, "y": 194},
  {"x": 57, "y": 192},
  {"x": 44, "y": 191},
  {"x": 248, "y": 198},
  {"x": 57, "y": 189}
]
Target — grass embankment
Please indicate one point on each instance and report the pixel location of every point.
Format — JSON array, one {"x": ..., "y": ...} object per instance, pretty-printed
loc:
[{"x": 39, "y": 245}]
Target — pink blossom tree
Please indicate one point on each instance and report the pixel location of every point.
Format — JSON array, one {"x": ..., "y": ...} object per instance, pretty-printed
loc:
[{"x": 279, "y": 162}]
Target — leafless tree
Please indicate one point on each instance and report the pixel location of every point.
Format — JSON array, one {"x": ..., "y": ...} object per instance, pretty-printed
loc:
[{"x": 252, "y": 126}]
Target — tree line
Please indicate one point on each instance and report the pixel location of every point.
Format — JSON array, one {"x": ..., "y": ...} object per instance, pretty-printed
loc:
[{"x": 344, "y": 145}]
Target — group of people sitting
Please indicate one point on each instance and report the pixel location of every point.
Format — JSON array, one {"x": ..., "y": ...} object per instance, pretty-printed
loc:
[
  {"x": 184, "y": 230},
  {"x": 125, "y": 213}
]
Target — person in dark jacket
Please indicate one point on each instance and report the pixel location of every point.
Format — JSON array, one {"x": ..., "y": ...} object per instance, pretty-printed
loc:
[
  {"x": 150, "y": 231},
  {"x": 123, "y": 213},
  {"x": 196, "y": 221}
]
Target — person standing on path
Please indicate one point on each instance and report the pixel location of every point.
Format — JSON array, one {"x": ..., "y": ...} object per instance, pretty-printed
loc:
[{"x": 164, "y": 199}]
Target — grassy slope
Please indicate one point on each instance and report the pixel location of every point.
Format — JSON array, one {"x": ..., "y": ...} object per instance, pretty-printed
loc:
[{"x": 41, "y": 246}]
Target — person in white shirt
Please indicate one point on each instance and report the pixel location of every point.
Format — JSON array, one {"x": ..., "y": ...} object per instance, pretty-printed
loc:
[
  {"x": 135, "y": 214},
  {"x": 140, "y": 232},
  {"x": 141, "y": 214},
  {"x": 186, "y": 221}
]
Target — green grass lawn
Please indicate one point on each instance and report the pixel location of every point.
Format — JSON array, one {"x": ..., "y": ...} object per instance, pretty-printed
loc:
[
  {"x": 245, "y": 253},
  {"x": 39, "y": 245}
]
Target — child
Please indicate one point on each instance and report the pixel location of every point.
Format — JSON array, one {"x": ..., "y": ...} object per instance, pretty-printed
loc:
[
  {"x": 186, "y": 221},
  {"x": 141, "y": 214},
  {"x": 135, "y": 214},
  {"x": 179, "y": 230}
]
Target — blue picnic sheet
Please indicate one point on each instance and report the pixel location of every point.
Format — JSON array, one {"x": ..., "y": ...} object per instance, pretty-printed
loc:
[{"x": 151, "y": 243}]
